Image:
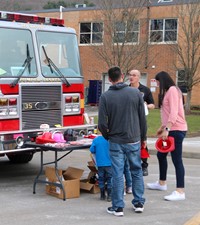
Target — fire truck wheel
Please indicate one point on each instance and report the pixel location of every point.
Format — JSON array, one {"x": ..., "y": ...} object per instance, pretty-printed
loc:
[{"x": 20, "y": 157}]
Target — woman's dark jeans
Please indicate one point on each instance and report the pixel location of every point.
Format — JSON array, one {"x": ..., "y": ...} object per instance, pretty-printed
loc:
[{"x": 176, "y": 156}]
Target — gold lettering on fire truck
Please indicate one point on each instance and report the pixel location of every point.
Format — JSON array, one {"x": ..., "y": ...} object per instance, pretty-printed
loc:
[{"x": 27, "y": 106}]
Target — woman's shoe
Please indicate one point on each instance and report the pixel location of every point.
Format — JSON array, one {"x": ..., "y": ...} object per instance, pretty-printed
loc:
[
  {"x": 157, "y": 186},
  {"x": 175, "y": 196}
]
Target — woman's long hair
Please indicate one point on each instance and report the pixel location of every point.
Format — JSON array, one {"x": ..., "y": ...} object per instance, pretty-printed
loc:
[{"x": 165, "y": 83}]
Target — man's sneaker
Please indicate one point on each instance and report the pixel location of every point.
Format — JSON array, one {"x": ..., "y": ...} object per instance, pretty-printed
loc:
[
  {"x": 145, "y": 171},
  {"x": 129, "y": 190},
  {"x": 116, "y": 212},
  {"x": 175, "y": 196},
  {"x": 157, "y": 186},
  {"x": 139, "y": 208}
]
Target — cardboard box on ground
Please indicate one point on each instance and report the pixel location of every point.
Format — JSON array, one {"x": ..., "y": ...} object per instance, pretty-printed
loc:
[
  {"x": 71, "y": 180},
  {"x": 85, "y": 184}
]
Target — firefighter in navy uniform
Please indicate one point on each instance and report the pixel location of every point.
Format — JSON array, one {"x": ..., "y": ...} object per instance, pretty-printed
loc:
[{"x": 134, "y": 78}]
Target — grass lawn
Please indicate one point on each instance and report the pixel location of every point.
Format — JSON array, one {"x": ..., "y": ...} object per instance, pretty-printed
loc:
[{"x": 153, "y": 121}]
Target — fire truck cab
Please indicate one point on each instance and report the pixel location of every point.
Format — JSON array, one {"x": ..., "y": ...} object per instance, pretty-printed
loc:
[{"x": 40, "y": 79}]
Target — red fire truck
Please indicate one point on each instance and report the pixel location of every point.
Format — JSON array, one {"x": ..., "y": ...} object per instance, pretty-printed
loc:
[{"x": 40, "y": 80}]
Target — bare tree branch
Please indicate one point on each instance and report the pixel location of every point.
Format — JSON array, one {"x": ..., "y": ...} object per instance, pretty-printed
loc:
[
  {"x": 121, "y": 44},
  {"x": 188, "y": 46}
]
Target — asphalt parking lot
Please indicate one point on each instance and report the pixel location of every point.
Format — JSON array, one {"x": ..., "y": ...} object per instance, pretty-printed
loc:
[{"x": 20, "y": 206}]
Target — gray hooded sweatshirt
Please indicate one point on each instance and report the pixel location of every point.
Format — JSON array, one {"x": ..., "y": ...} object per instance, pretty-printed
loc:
[{"x": 121, "y": 114}]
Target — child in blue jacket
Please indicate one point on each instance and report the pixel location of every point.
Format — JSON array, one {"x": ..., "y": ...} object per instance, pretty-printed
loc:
[{"x": 100, "y": 148}]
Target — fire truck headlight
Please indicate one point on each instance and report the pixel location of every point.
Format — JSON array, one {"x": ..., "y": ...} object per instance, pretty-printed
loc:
[
  {"x": 1, "y": 138},
  {"x": 75, "y": 108},
  {"x": 3, "y": 112},
  {"x": 12, "y": 111},
  {"x": 68, "y": 109},
  {"x": 19, "y": 141}
]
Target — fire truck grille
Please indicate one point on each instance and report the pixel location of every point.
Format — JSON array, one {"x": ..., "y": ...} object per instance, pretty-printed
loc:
[{"x": 40, "y": 104}]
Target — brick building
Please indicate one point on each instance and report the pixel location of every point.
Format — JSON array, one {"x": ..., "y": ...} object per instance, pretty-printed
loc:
[{"x": 160, "y": 26}]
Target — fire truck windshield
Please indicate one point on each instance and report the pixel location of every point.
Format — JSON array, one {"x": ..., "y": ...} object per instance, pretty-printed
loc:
[
  {"x": 62, "y": 49},
  {"x": 26, "y": 64},
  {"x": 54, "y": 68},
  {"x": 13, "y": 53}
]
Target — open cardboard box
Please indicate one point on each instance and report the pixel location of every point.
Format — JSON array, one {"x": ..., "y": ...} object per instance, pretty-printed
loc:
[
  {"x": 70, "y": 180},
  {"x": 84, "y": 183}
]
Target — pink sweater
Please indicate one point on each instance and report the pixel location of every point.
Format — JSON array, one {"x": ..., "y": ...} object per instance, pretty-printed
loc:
[{"x": 172, "y": 110}]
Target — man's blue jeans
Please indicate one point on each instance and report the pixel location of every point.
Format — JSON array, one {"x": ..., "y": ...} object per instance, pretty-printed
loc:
[
  {"x": 118, "y": 153},
  {"x": 127, "y": 174}
]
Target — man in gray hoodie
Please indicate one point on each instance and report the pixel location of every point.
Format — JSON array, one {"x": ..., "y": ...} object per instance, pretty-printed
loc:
[{"x": 122, "y": 122}]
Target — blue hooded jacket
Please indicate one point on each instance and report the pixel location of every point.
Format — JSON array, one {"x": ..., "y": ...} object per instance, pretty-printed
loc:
[{"x": 100, "y": 147}]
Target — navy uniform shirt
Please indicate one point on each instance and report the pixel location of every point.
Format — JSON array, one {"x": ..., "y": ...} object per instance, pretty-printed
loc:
[{"x": 146, "y": 93}]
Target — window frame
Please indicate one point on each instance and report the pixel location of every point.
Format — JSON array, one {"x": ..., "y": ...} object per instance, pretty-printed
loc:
[
  {"x": 91, "y": 33},
  {"x": 129, "y": 32},
  {"x": 178, "y": 82},
  {"x": 163, "y": 30}
]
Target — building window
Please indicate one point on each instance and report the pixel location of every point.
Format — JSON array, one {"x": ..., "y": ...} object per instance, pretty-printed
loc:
[
  {"x": 91, "y": 33},
  {"x": 126, "y": 32},
  {"x": 181, "y": 81},
  {"x": 143, "y": 79},
  {"x": 163, "y": 30}
]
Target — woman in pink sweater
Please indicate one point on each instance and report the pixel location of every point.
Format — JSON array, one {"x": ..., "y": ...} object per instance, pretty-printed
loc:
[{"x": 173, "y": 124}]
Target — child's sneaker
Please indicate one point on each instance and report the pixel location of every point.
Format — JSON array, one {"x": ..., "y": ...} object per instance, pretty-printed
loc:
[{"x": 129, "y": 190}]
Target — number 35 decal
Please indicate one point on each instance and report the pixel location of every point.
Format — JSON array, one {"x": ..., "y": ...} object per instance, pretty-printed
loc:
[{"x": 27, "y": 106}]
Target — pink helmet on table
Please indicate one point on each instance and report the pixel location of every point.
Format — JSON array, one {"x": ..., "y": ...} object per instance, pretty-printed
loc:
[{"x": 58, "y": 137}]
